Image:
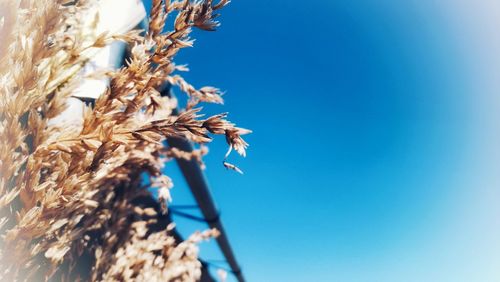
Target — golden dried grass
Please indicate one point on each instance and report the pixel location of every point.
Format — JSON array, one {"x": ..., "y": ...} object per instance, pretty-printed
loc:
[{"x": 70, "y": 192}]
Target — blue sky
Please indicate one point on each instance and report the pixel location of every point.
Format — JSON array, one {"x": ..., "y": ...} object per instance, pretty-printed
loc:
[{"x": 376, "y": 138}]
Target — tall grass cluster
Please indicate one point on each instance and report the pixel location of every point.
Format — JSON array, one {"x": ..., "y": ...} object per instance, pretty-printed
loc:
[{"x": 69, "y": 194}]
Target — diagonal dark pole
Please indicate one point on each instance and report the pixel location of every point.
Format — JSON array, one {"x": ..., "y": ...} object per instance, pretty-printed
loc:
[{"x": 197, "y": 183}]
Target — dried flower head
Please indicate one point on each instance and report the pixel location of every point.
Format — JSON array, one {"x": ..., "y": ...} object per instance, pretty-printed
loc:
[{"x": 72, "y": 201}]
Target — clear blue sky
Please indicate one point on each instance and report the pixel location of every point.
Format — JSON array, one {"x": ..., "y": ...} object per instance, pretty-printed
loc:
[{"x": 376, "y": 146}]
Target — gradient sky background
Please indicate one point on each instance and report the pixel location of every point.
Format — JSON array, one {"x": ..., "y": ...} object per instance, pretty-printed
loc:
[{"x": 376, "y": 145}]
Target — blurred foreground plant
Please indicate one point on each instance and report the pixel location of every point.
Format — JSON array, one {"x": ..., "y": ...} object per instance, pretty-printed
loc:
[{"x": 68, "y": 192}]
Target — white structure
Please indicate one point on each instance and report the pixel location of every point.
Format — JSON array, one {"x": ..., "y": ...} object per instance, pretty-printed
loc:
[{"x": 115, "y": 17}]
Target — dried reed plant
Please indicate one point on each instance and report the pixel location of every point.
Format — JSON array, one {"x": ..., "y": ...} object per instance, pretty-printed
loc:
[{"x": 71, "y": 192}]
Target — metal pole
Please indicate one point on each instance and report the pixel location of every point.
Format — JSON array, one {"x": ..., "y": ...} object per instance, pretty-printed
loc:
[{"x": 198, "y": 185}]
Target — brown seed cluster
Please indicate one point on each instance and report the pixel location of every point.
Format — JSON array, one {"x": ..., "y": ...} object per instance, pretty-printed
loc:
[{"x": 70, "y": 195}]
